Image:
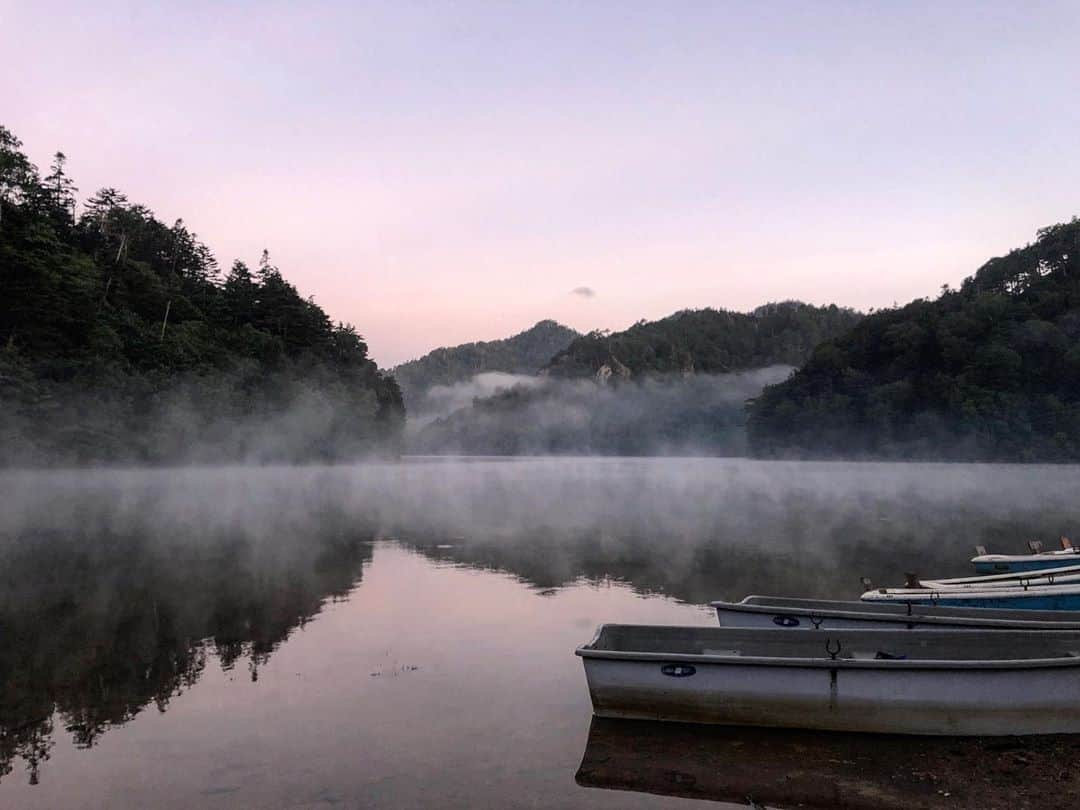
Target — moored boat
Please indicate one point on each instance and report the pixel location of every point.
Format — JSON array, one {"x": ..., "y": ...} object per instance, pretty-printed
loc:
[
  {"x": 1058, "y": 575},
  {"x": 934, "y": 682},
  {"x": 1035, "y": 561},
  {"x": 821, "y": 614},
  {"x": 1040, "y": 597}
]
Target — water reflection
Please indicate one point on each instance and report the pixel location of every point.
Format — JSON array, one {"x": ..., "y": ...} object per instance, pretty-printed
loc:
[
  {"x": 780, "y": 769},
  {"x": 95, "y": 629},
  {"x": 125, "y": 590},
  {"x": 704, "y": 529},
  {"x": 428, "y": 686}
]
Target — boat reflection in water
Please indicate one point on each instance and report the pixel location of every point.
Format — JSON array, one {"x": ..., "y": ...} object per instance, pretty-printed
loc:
[{"x": 777, "y": 768}]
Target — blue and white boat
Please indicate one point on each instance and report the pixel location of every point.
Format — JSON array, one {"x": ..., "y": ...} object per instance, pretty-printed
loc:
[
  {"x": 1037, "y": 560},
  {"x": 1019, "y": 597},
  {"x": 1060, "y": 575}
]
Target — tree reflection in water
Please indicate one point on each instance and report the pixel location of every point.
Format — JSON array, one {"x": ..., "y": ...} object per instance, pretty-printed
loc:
[
  {"x": 718, "y": 532},
  {"x": 93, "y": 630}
]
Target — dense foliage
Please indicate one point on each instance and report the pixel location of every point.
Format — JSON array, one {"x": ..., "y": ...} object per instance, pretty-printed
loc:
[
  {"x": 987, "y": 372},
  {"x": 706, "y": 341},
  {"x": 121, "y": 341},
  {"x": 524, "y": 353}
]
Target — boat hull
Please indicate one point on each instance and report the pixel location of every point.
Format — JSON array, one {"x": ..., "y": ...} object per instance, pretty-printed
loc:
[
  {"x": 1002, "y": 564},
  {"x": 790, "y": 620},
  {"x": 1043, "y": 598},
  {"x": 1033, "y": 601},
  {"x": 926, "y": 702}
]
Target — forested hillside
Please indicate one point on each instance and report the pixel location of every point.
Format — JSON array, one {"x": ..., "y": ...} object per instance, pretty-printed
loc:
[
  {"x": 120, "y": 340},
  {"x": 524, "y": 353},
  {"x": 673, "y": 386},
  {"x": 707, "y": 341},
  {"x": 987, "y": 372}
]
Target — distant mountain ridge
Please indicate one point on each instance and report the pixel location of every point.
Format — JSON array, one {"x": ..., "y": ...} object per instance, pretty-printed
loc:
[
  {"x": 677, "y": 385},
  {"x": 524, "y": 353},
  {"x": 707, "y": 341}
]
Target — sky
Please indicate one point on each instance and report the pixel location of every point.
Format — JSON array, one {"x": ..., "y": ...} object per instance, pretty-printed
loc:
[{"x": 442, "y": 172}]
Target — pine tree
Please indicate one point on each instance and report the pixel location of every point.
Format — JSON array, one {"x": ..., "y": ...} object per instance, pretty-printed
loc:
[
  {"x": 241, "y": 294},
  {"x": 60, "y": 192}
]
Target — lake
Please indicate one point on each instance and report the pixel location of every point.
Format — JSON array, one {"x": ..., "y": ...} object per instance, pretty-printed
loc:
[{"x": 401, "y": 634}]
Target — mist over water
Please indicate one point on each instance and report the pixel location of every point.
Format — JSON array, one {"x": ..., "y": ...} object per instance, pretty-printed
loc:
[
  {"x": 659, "y": 415},
  {"x": 126, "y": 590},
  {"x": 440, "y": 401},
  {"x": 741, "y": 521}
]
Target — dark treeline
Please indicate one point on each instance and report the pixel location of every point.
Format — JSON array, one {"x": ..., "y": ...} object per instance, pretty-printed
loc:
[
  {"x": 120, "y": 340},
  {"x": 524, "y": 353},
  {"x": 706, "y": 341},
  {"x": 987, "y": 372}
]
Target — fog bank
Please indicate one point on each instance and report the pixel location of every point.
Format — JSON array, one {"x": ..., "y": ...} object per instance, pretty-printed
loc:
[
  {"x": 696, "y": 414},
  {"x": 695, "y": 528}
]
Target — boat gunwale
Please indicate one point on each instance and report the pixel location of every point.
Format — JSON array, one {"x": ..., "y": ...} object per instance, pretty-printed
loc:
[
  {"x": 1042, "y": 556},
  {"x": 897, "y": 618},
  {"x": 1007, "y": 592},
  {"x": 936, "y": 664}
]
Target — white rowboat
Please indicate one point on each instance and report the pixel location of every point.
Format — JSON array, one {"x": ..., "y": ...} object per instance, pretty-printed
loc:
[
  {"x": 899, "y": 682},
  {"x": 1047, "y": 576}
]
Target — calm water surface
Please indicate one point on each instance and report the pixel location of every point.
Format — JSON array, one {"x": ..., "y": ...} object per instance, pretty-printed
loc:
[{"x": 396, "y": 635}]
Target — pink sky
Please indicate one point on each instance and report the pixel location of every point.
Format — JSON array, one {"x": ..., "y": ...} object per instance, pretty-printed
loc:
[{"x": 437, "y": 173}]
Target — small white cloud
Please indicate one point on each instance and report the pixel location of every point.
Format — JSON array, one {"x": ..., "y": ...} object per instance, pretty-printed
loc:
[{"x": 584, "y": 292}]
